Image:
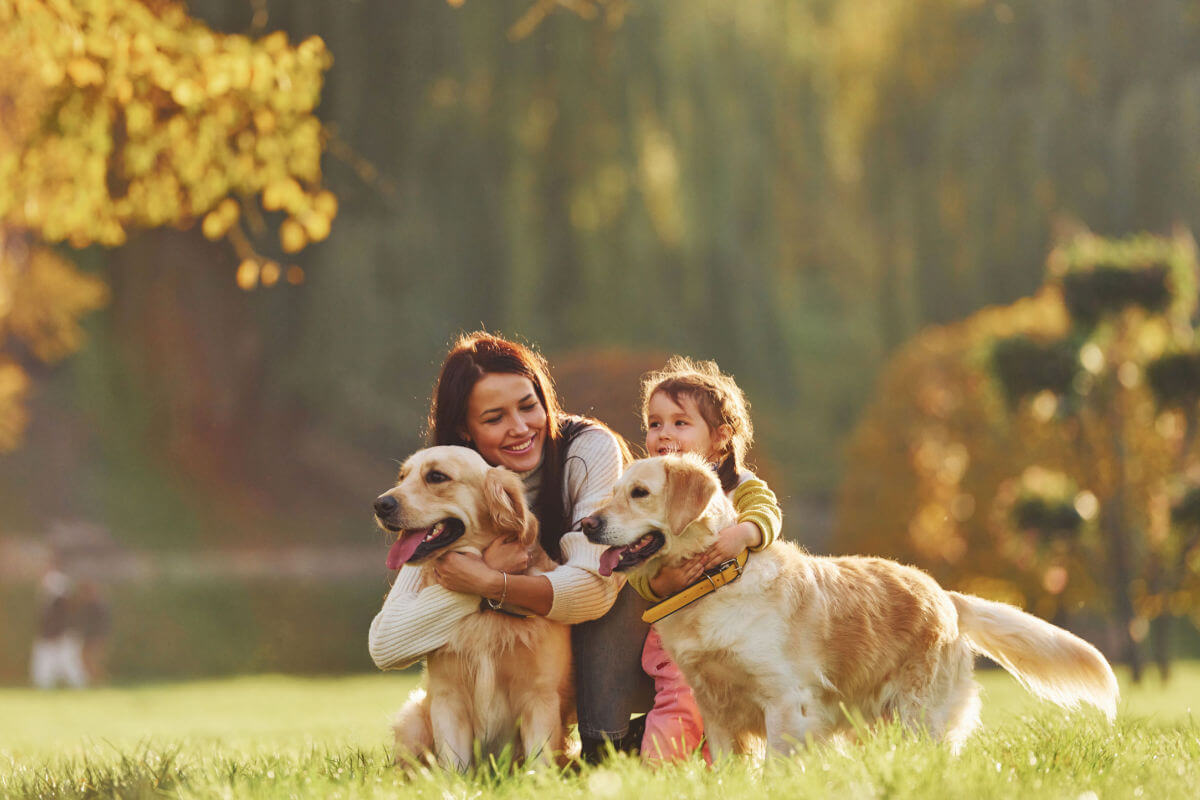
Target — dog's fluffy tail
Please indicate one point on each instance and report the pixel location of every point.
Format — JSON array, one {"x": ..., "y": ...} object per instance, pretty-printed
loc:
[{"x": 1051, "y": 663}]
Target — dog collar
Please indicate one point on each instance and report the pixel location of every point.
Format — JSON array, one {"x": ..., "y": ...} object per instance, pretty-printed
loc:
[
  {"x": 713, "y": 579},
  {"x": 506, "y": 610}
]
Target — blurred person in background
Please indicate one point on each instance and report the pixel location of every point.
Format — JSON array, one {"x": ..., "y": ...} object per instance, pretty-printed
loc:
[
  {"x": 57, "y": 656},
  {"x": 94, "y": 621}
]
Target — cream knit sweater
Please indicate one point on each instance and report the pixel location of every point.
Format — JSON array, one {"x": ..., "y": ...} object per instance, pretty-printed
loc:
[{"x": 416, "y": 621}]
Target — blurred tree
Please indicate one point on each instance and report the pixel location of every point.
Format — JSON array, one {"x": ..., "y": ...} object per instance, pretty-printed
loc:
[
  {"x": 932, "y": 462},
  {"x": 1050, "y": 512},
  {"x": 960, "y": 129},
  {"x": 119, "y": 115},
  {"x": 1131, "y": 304},
  {"x": 659, "y": 186},
  {"x": 607, "y": 384},
  {"x": 612, "y": 12},
  {"x": 42, "y": 297},
  {"x": 791, "y": 187},
  {"x": 1095, "y": 412}
]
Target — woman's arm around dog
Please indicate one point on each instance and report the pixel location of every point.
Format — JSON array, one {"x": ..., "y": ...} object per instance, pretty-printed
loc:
[
  {"x": 575, "y": 591},
  {"x": 414, "y": 620}
]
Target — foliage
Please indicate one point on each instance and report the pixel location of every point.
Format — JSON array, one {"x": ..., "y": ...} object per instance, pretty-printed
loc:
[
  {"x": 1092, "y": 294},
  {"x": 613, "y": 11},
  {"x": 171, "y": 629},
  {"x": 1026, "y": 367},
  {"x": 1175, "y": 379},
  {"x": 1152, "y": 272},
  {"x": 1047, "y": 517},
  {"x": 1187, "y": 510},
  {"x": 968, "y": 131},
  {"x": 42, "y": 297},
  {"x": 1090, "y": 448},
  {"x": 1137, "y": 297},
  {"x": 606, "y": 384},
  {"x": 14, "y": 384},
  {"x": 934, "y": 458},
  {"x": 123, "y": 115},
  {"x": 792, "y": 187},
  {"x": 133, "y": 115},
  {"x": 281, "y": 737}
]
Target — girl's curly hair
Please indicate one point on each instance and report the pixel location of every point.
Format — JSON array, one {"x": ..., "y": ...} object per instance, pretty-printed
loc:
[{"x": 720, "y": 400}]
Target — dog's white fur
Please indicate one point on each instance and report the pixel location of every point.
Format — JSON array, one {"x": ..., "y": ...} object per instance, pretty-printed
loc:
[
  {"x": 784, "y": 652},
  {"x": 496, "y": 670}
]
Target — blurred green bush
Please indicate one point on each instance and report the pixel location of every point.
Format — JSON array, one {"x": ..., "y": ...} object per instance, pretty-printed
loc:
[{"x": 175, "y": 629}]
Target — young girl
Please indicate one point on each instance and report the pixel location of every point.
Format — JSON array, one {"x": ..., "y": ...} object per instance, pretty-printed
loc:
[{"x": 690, "y": 407}]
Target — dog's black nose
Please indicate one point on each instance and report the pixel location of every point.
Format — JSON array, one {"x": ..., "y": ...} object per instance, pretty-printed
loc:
[
  {"x": 385, "y": 504},
  {"x": 589, "y": 525}
]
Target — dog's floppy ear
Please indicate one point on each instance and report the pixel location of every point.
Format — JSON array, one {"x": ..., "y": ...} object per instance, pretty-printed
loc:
[
  {"x": 689, "y": 489},
  {"x": 504, "y": 498}
]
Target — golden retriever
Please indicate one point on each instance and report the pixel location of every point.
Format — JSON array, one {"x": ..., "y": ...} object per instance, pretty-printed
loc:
[
  {"x": 498, "y": 673},
  {"x": 786, "y": 650}
]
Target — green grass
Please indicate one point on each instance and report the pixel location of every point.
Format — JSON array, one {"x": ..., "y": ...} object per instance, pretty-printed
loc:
[{"x": 275, "y": 736}]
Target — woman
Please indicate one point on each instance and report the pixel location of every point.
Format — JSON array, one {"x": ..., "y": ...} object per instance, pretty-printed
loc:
[{"x": 496, "y": 396}]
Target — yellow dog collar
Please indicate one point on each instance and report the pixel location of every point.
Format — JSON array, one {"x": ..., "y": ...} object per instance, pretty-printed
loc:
[{"x": 713, "y": 579}]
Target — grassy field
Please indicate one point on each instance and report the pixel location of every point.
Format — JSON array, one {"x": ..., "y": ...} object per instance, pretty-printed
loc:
[{"x": 287, "y": 737}]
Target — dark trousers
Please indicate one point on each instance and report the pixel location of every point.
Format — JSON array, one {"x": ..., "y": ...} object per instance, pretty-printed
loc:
[{"x": 610, "y": 684}]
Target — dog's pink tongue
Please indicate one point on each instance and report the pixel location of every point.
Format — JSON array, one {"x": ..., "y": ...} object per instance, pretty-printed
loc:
[
  {"x": 404, "y": 548},
  {"x": 609, "y": 560}
]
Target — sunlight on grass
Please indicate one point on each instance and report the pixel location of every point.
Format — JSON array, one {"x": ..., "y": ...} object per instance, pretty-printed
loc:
[
  {"x": 261, "y": 713},
  {"x": 276, "y": 736}
]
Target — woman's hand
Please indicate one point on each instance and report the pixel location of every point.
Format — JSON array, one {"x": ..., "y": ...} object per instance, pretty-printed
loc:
[
  {"x": 670, "y": 580},
  {"x": 507, "y": 555},
  {"x": 731, "y": 542},
  {"x": 467, "y": 573}
]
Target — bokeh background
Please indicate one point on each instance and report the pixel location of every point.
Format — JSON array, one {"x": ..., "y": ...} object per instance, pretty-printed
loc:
[{"x": 237, "y": 237}]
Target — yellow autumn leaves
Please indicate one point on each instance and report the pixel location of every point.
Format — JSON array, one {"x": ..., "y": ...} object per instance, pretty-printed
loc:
[
  {"x": 949, "y": 461},
  {"x": 42, "y": 298},
  {"x": 117, "y": 115},
  {"x": 309, "y": 215},
  {"x": 130, "y": 116},
  {"x": 253, "y": 273}
]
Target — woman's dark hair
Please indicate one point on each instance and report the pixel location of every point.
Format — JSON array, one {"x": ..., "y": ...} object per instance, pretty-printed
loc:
[{"x": 480, "y": 353}]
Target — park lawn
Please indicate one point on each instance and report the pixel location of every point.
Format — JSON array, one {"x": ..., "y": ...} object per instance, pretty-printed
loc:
[{"x": 277, "y": 736}]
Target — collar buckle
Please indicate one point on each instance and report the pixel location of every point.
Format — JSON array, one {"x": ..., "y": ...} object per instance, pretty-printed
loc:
[
  {"x": 732, "y": 563},
  {"x": 721, "y": 575},
  {"x": 485, "y": 606}
]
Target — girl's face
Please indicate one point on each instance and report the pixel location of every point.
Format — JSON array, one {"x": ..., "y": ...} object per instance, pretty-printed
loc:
[
  {"x": 673, "y": 427},
  {"x": 506, "y": 422}
]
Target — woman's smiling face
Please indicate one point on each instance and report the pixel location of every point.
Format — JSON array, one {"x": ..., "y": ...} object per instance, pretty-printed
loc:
[{"x": 506, "y": 421}]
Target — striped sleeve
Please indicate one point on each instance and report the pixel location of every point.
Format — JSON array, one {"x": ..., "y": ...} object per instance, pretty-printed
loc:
[
  {"x": 640, "y": 581},
  {"x": 755, "y": 502},
  {"x": 415, "y": 621},
  {"x": 592, "y": 467}
]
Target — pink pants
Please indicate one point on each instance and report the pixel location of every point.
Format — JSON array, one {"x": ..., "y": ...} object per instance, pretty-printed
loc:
[{"x": 673, "y": 727}]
